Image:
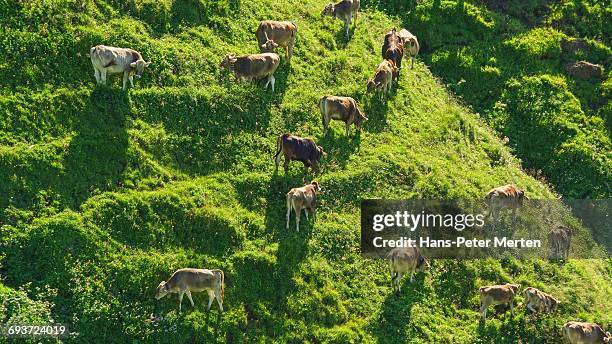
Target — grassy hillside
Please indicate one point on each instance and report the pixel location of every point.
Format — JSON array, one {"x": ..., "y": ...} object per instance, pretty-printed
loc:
[
  {"x": 104, "y": 193},
  {"x": 507, "y": 60}
]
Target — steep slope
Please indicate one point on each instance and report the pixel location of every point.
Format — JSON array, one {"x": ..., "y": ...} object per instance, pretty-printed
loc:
[{"x": 104, "y": 193}]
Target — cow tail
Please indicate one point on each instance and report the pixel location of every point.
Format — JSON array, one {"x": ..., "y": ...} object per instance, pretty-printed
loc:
[
  {"x": 279, "y": 146},
  {"x": 222, "y": 285},
  {"x": 294, "y": 31}
]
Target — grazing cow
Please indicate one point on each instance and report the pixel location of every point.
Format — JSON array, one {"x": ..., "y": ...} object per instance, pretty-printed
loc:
[
  {"x": 184, "y": 281},
  {"x": 405, "y": 259},
  {"x": 585, "y": 333},
  {"x": 112, "y": 60},
  {"x": 272, "y": 34},
  {"x": 497, "y": 295},
  {"x": 302, "y": 198},
  {"x": 559, "y": 239},
  {"x": 300, "y": 149},
  {"x": 342, "y": 109},
  {"x": 249, "y": 67},
  {"x": 539, "y": 301},
  {"x": 345, "y": 10},
  {"x": 504, "y": 197},
  {"x": 383, "y": 78},
  {"x": 411, "y": 45},
  {"x": 393, "y": 49}
]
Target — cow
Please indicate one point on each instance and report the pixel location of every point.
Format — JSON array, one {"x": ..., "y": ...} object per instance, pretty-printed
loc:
[
  {"x": 585, "y": 333},
  {"x": 113, "y": 60},
  {"x": 184, "y": 281},
  {"x": 342, "y": 109},
  {"x": 393, "y": 49},
  {"x": 383, "y": 78},
  {"x": 302, "y": 198},
  {"x": 272, "y": 34},
  {"x": 539, "y": 301},
  {"x": 410, "y": 44},
  {"x": 255, "y": 66},
  {"x": 345, "y": 10},
  {"x": 559, "y": 239},
  {"x": 504, "y": 197},
  {"x": 300, "y": 149},
  {"x": 497, "y": 295},
  {"x": 402, "y": 260}
]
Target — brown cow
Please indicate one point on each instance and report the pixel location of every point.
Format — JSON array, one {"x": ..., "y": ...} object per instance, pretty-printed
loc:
[
  {"x": 383, "y": 78},
  {"x": 405, "y": 259},
  {"x": 300, "y": 149},
  {"x": 411, "y": 45},
  {"x": 272, "y": 34},
  {"x": 497, "y": 295},
  {"x": 393, "y": 49},
  {"x": 539, "y": 301},
  {"x": 184, "y": 281},
  {"x": 249, "y": 67},
  {"x": 302, "y": 198},
  {"x": 585, "y": 333},
  {"x": 504, "y": 197},
  {"x": 559, "y": 239},
  {"x": 345, "y": 10},
  {"x": 342, "y": 109}
]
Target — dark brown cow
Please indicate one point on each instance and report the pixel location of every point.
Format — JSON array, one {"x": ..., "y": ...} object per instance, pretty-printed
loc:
[
  {"x": 300, "y": 149},
  {"x": 255, "y": 66},
  {"x": 497, "y": 295},
  {"x": 393, "y": 49},
  {"x": 585, "y": 333},
  {"x": 559, "y": 239},
  {"x": 342, "y": 109},
  {"x": 272, "y": 34}
]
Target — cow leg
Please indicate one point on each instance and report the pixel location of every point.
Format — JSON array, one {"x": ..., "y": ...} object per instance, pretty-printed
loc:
[
  {"x": 286, "y": 165},
  {"x": 314, "y": 214},
  {"x": 125, "y": 80},
  {"x": 346, "y": 129},
  {"x": 514, "y": 214},
  {"x": 298, "y": 213},
  {"x": 412, "y": 67},
  {"x": 97, "y": 75},
  {"x": 103, "y": 76},
  {"x": 411, "y": 276},
  {"x": 190, "y": 299},
  {"x": 211, "y": 297},
  {"x": 290, "y": 49},
  {"x": 132, "y": 81},
  {"x": 180, "y": 299},
  {"x": 512, "y": 308},
  {"x": 219, "y": 301},
  {"x": 398, "y": 281},
  {"x": 272, "y": 80},
  {"x": 306, "y": 211},
  {"x": 347, "y": 23},
  {"x": 288, "y": 212},
  {"x": 483, "y": 312}
]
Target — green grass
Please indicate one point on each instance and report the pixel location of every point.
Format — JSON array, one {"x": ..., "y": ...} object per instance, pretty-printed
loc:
[{"x": 105, "y": 193}]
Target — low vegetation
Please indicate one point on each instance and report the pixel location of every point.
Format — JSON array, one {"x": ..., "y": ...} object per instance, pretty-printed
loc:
[{"x": 105, "y": 193}]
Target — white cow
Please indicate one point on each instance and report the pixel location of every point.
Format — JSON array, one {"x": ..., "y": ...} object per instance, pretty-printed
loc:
[{"x": 114, "y": 60}]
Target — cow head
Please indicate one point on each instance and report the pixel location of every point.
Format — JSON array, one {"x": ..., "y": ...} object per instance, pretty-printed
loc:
[
  {"x": 422, "y": 263},
  {"x": 139, "y": 66},
  {"x": 372, "y": 85},
  {"x": 514, "y": 287},
  {"x": 328, "y": 10},
  {"x": 269, "y": 46},
  {"x": 162, "y": 290},
  {"x": 554, "y": 303},
  {"x": 315, "y": 184},
  {"x": 321, "y": 152},
  {"x": 228, "y": 60},
  {"x": 521, "y": 197},
  {"x": 361, "y": 117}
]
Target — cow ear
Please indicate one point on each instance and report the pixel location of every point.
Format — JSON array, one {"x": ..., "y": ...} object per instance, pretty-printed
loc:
[
  {"x": 133, "y": 64},
  {"x": 147, "y": 64}
]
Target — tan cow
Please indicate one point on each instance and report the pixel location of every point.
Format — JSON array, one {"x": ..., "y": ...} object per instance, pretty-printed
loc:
[
  {"x": 411, "y": 45},
  {"x": 402, "y": 260},
  {"x": 383, "y": 78},
  {"x": 255, "y": 66},
  {"x": 184, "y": 281},
  {"x": 585, "y": 333},
  {"x": 113, "y": 60},
  {"x": 302, "y": 198},
  {"x": 345, "y": 10},
  {"x": 272, "y": 34},
  {"x": 559, "y": 239},
  {"x": 539, "y": 301},
  {"x": 342, "y": 109},
  {"x": 504, "y": 197},
  {"x": 497, "y": 295}
]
